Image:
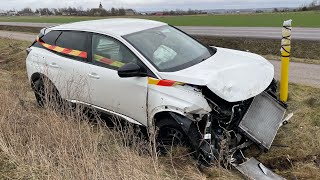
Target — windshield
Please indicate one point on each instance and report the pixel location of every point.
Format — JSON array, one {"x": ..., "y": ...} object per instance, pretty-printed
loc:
[{"x": 169, "y": 49}]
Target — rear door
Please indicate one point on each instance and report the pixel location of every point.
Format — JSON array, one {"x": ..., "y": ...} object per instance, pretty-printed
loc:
[
  {"x": 73, "y": 47},
  {"x": 40, "y": 53},
  {"x": 61, "y": 52}
]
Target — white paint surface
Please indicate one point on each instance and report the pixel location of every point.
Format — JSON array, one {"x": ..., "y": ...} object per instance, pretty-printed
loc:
[
  {"x": 116, "y": 26},
  {"x": 232, "y": 75}
]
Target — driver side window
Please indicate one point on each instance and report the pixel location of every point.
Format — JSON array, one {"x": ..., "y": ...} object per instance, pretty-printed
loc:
[{"x": 109, "y": 52}]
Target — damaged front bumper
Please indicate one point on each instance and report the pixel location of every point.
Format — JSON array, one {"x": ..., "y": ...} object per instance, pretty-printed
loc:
[
  {"x": 259, "y": 126},
  {"x": 224, "y": 135}
]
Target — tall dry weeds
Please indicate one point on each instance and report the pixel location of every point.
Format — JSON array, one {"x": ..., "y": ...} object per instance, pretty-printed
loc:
[{"x": 44, "y": 143}]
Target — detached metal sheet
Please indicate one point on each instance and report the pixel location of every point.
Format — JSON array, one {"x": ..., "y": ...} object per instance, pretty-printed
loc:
[
  {"x": 262, "y": 120},
  {"x": 253, "y": 169}
]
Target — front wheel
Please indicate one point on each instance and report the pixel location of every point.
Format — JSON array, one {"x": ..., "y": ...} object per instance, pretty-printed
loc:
[{"x": 169, "y": 134}]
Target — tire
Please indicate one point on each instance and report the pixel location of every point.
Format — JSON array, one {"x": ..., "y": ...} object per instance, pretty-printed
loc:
[
  {"x": 190, "y": 139},
  {"x": 46, "y": 93},
  {"x": 169, "y": 134}
]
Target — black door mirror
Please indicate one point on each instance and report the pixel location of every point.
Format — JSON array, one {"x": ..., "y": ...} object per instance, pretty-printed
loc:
[{"x": 131, "y": 70}]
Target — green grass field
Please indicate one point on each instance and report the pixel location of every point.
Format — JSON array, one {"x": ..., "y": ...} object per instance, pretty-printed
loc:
[{"x": 300, "y": 19}]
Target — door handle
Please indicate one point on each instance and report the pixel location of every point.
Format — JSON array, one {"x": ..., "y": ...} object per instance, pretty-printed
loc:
[
  {"x": 94, "y": 75},
  {"x": 54, "y": 65}
]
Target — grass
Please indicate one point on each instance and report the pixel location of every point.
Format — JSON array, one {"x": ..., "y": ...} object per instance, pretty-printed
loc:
[
  {"x": 300, "y": 19},
  {"x": 298, "y": 151},
  {"x": 38, "y": 143},
  {"x": 20, "y": 29},
  {"x": 302, "y": 50}
]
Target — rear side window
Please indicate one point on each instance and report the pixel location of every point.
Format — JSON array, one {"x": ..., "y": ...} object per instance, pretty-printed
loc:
[
  {"x": 51, "y": 37},
  {"x": 73, "y": 40},
  {"x": 73, "y": 44}
]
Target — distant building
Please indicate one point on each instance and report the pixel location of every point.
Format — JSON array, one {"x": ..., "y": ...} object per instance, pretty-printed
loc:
[
  {"x": 3, "y": 13},
  {"x": 130, "y": 12},
  {"x": 98, "y": 11},
  {"x": 12, "y": 13}
]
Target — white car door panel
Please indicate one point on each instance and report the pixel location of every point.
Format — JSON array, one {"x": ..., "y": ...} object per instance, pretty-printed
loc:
[
  {"x": 126, "y": 96},
  {"x": 57, "y": 69}
]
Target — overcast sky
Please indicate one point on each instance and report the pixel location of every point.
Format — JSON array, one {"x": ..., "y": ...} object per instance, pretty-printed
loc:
[{"x": 145, "y": 5}]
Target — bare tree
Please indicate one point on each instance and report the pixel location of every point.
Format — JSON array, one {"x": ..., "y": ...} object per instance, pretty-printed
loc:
[
  {"x": 26, "y": 11},
  {"x": 122, "y": 12}
]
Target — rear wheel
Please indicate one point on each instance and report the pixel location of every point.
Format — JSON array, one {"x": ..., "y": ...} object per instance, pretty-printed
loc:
[{"x": 46, "y": 93}]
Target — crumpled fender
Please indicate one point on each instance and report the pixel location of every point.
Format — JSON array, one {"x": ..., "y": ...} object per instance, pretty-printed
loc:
[{"x": 183, "y": 100}]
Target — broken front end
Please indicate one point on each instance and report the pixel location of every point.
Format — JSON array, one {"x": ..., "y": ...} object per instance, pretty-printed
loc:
[{"x": 232, "y": 127}]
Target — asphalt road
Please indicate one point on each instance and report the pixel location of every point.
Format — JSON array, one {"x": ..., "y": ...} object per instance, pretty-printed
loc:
[
  {"x": 253, "y": 32},
  {"x": 27, "y": 24},
  {"x": 18, "y": 35},
  {"x": 307, "y": 74}
]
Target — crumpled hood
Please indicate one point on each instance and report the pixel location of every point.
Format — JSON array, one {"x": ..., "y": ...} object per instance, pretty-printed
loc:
[{"x": 230, "y": 74}]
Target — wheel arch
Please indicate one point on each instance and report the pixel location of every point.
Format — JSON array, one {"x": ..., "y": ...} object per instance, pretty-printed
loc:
[
  {"x": 36, "y": 76},
  {"x": 162, "y": 112}
]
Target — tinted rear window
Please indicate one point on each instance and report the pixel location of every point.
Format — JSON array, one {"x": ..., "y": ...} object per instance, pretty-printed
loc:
[
  {"x": 73, "y": 40},
  {"x": 51, "y": 37}
]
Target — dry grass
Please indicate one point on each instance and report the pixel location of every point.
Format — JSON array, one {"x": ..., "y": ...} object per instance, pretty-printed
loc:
[
  {"x": 302, "y": 135},
  {"x": 20, "y": 29},
  {"x": 296, "y": 149},
  {"x": 38, "y": 143},
  {"x": 293, "y": 59}
]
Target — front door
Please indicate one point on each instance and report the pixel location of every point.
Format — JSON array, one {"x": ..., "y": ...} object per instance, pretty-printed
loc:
[{"x": 127, "y": 96}]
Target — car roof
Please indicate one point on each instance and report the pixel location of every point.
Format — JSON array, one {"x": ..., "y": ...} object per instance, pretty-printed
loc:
[{"x": 112, "y": 26}]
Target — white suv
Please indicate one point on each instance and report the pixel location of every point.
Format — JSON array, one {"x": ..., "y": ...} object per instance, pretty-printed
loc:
[{"x": 152, "y": 74}]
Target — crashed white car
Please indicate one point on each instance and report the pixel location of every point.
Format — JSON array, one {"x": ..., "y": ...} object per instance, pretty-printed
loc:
[{"x": 152, "y": 74}]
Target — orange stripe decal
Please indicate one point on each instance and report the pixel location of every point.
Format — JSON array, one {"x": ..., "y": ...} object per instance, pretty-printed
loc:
[
  {"x": 83, "y": 54},
  {"x": 167, "y": 83},
  {"x": 108, "y": 61},
  {"x": 62, "y": 50}
]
